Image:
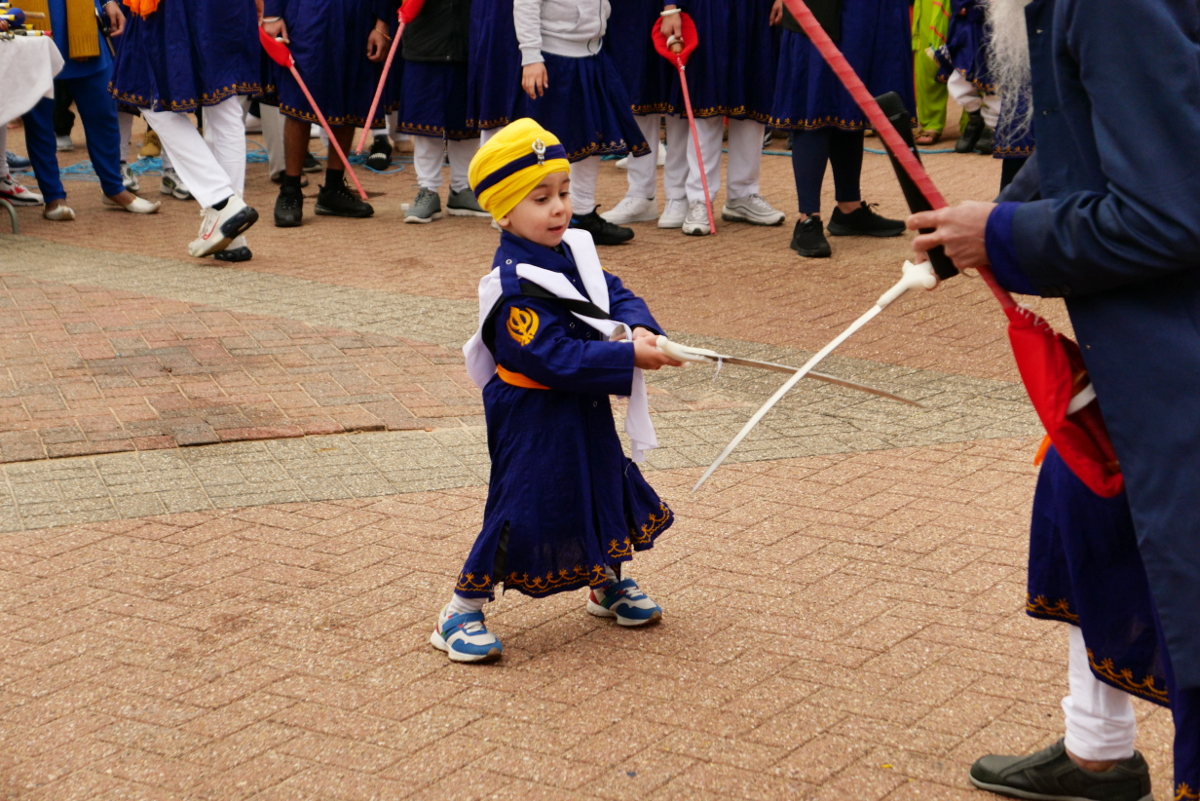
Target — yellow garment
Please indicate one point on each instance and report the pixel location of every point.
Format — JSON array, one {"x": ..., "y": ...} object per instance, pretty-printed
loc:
[
  {"x": 515, "y": 141},
  {"x": 35, "y": 7},
  {"x": 83, "y": 34},
  {"x": 143, "y": 8}
]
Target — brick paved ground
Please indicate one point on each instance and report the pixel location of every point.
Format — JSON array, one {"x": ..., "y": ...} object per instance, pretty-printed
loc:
[{"x": 250, "y": 619}]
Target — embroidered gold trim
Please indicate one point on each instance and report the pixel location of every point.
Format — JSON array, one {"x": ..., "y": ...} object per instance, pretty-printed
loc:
[
  {"x": 1060, "y": 610},
  {"x": 618, "y": 550},
  {"x": 566, "y": 579},
  {"x": 841, "y": 123},
  {"x": 190, "y": 104},
  {"x": 655, "y": 524},
  {"x": 1124, "y": 679},
  {"x": 1186, "y": 793},
  {"x": 468, "y": 583}
]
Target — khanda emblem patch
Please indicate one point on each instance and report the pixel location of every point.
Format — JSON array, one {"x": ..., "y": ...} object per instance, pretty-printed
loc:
[
  {"x": 522, "y": 325},
  {"x": 539, "y": 147}
]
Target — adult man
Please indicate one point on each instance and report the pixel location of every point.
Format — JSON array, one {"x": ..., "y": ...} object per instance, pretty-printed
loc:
[{"x": 1110, "y": 221}]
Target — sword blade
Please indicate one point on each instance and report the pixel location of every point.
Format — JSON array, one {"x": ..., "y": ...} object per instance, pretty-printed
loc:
[{"x": 828, "y": 379}]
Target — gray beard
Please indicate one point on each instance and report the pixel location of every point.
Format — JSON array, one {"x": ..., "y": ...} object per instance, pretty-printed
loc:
[{"x": 1008, "y": 54}]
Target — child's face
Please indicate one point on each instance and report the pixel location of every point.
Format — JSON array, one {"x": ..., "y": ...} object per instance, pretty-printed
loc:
[{"x": 544, "y": 214}]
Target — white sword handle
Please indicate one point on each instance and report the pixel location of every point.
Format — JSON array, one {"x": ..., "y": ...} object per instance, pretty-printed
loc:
[
  {"x": 915, "y": 276},
  {"x": 683, "y": 353}
]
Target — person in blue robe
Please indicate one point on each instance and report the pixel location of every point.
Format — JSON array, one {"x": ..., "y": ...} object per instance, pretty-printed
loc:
[
  {"x": 1106, "y": 214},
  {"x": 566, "y": 508},
  {"x": 493, "y": 67},
  {"x": 963, "y": 63}
]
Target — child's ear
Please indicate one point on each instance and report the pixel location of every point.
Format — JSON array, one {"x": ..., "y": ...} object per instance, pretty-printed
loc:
[{"x": 504, "y": 222}]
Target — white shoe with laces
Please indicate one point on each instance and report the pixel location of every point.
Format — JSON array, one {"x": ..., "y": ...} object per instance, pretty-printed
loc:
[
  {"x": 171, "y": 184},
  {"x": 696, "y": 223},
  {"x": 631, "y": 210},
  {"x": 18, "y": 195},
  {"x": 753, "y": 209},
  {"x": 674, "y": 213},
  {"x": 220, "y": 227},
  {"x": 128, "y": 178}
]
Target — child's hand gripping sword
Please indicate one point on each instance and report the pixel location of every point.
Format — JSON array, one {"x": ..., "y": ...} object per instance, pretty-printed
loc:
[
  {"x": 408, "y": 11},
  {"x": 677, "y": 50},
  {"x": 281, "y": 55}
]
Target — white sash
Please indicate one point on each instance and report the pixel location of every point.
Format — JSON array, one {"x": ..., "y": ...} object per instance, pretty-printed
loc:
[{"x": 481, "y": 366}]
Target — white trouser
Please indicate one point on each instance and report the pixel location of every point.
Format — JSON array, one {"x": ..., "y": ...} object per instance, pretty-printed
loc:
[
  {"x": 427, "y": 158},
  {"x": 4, "y": 171},
  {"x": 583, "y": 185},
  {"x": 125, "y": 123},
  {"x": 1100, "y": 721},
  {"x": 745, "y": 158},
  {"x": 486, "y": 134},
  {"x": 675, "y": 169},
  {"x": 642, "y": 169},
  {"x": 213, "y": 166},
  {"x": 966, "y": 95},
  {"x": 272, "y": 134}
]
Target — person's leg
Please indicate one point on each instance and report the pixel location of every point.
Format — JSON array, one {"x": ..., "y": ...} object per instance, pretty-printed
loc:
[
  {"x": 1100, "y": 723},
  {"x": 191, "y": 157},
  {"x": 98, "y": 113},
  {"x": 64, "y": 118},
  {"x": 272, "y": 133},
  {"x": 675, "y": 172},
  {"x": 964, "y": 92},
  {"x": 1009, "y": 169},
  {"x": 744, "y": 164},
  {"x": 428, "y": 156},
  {"x": 846, "y": 160},
  {"x": 583, "y": 185},
  {"x": 486, "y": 134},
  {"x": 335, "y": 198},
  {"x": 932, "y": 94},
  {"x": 642, "y": 172},
  {"x": 711, "y": 131},
  {"x": 810, "y": 154},
  {"x": 225, "y": 135},
  {"x": 43, "y": 153},
  {"x": 460, "y": 151},
  {"x": 125, "y": 124}
]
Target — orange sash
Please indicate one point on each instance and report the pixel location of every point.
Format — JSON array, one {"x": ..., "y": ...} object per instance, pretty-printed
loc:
[{"x": 518, "y": 380}]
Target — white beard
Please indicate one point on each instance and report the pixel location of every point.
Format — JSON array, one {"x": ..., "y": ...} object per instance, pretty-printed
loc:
[{"x": 1008, "y": 53}]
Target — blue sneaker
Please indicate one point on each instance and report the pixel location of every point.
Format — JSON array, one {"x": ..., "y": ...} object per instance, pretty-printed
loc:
[
  {"x": 624, "y": 601},
  {"x": 15, "y": 162},
  {"x": 464, "y": 638}
]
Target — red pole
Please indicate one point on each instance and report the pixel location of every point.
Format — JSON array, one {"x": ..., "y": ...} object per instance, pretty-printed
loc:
[
  {"x": 332, "y": 139},
  {"x": 687, "y": 104},
  {"x": 387, "y": 68}
]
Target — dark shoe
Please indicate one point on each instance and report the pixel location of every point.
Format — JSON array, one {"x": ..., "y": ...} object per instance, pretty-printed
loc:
[
  {"x": 863, "y": 221},
  {"x": 425, "y": 208},
  {"x": 986, "y": 142},
  {"x": 339, "y": 201},
  {"x": 603, "y": 232},
  {"x": 233, "y": 254},
  {"x": 310, "y": 163},
  {"x": 970, "y": 134},
  {"x": 808, "y": 239},
  {"x": 464, "y": 204},
  {"x": 278, "y": 179},
  {"x": 1050, "y": 775},
  {"x": 289, "y": 208},
  {"x": 380, "y": 157},
  {"x": 15, "y": 162}
]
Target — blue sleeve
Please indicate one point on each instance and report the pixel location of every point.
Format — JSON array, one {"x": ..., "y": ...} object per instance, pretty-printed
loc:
[
  {"x": 1002, "y": 251},
  {"x": 628, "y": 308},
  {"x": 1146, "y": 121},
  {"x": 531, "y": 340}
]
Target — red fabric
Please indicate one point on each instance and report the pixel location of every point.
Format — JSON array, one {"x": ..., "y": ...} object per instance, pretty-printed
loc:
[
  {"x": 410, "y": 9},
  {"x": 276, "y": 49},
  {"x": 1053, "y": 371},
  {"x": 690, "y": 40}
]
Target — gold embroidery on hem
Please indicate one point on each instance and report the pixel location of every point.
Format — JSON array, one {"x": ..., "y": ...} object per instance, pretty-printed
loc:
[
  {"x": 656, "y": 523},
  {"x": 467, "y": 583},
  {"x": 1124, "y": 679},
  {"x": 190, "y": 104},
  {"x": 1186, "y": 793},
  {"x": 1060, "y": 610},
  {"x": 566, "y": 579},
  {"x": 618, "y": 550}
]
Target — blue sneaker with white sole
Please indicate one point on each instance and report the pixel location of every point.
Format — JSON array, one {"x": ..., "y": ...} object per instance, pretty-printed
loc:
[
  {"x": 465, "y": 638},
  {"x": 625, "y": 602}
]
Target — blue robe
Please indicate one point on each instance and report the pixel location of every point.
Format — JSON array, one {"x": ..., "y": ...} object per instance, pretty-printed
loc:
[
  {"x": 563, "y": 500},
  {"x": 646, "y": 76},
  {"x": 965, "y": 50},
  {"x": 494, "y": 66},
  {"x": 1112, "y": 224}
]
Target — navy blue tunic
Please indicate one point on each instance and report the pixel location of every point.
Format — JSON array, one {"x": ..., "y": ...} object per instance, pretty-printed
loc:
[
  {"x": 494, "y": 66},
  {"x": 1113, "y": 225},
  {"x": 965, "y": 50},
  {"x": 564, "y": 500},
  {"x": 646, "y": 76}
]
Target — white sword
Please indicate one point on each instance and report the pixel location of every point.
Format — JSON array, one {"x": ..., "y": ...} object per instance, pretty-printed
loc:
[{"x": 915, "y": 275}]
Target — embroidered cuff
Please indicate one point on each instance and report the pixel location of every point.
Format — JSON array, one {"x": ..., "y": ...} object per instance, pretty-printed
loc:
[{"x": 1002, "y": 251}]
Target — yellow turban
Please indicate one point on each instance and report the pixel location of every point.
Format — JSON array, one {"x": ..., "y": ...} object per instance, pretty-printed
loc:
[{"x": 512, "y": 163}]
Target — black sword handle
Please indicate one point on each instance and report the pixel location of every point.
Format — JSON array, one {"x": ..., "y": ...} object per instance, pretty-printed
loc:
[{"x": 900, "y": 119}]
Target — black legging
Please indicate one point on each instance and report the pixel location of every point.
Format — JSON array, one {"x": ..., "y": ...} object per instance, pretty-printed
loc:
[
  {"x": 843, "y": 150},
  {"x": 1009, "y": 169}
]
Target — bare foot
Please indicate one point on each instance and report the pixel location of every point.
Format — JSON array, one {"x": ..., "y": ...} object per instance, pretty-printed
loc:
[{"x": 124, "y": 198}]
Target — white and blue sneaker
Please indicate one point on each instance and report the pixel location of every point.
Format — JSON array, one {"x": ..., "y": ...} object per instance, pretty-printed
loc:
[
  {"x": 624, "y": 601},
  {"x": 464, "y": 638}
]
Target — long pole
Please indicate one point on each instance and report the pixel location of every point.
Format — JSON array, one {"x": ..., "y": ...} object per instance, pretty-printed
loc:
[
  {"x": 329, "y": 131},
  {"x": 687, "y": 104},
  {"x": 387, "y": 68}
]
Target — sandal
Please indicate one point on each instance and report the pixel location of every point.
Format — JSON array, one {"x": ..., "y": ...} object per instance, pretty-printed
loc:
[{"x": 927, "y": 138}]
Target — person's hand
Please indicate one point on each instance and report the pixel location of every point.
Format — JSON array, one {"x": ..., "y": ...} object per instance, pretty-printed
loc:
[
  {"x": 643, "y": 333},
  {"x": 277, "y": 30},
  {"x": 534, "y": 80},
  {"x": 961, "y": 230},
  {"x": 776, "y": 16},
  {"x": 3, "y": 25},
  {"x": 671, "y": 25},
  {"x": 116, "y": 20},
  {"x": 647, "y": 356},
  {"x": 378, "y": 43}
]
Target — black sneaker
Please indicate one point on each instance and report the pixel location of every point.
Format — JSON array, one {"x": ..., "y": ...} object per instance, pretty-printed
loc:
[
  {"x": 986, "y": 142},
  {"x": 278, "y": 179},
  {"x": 310, "y": 163},
  {"x": 1050, "y": 775},
  {"x": 603, "y": 232},
  {"x": 863, "y": 221},
  {"x": 970, "y": 134},
  {"x": 234, "y": 254},
  {"x": 381, "y": 154},
  {"x": 289, "y": 208},
  {"x": 808, "y": 239},
  {"x": 339, "y": 201}
]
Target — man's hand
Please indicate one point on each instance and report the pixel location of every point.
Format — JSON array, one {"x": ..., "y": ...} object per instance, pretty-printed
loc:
[
  {"x": 776, "y": 16},
  {"x": 277, "y": 30},
  {"x": 671, "y": 25},
  {"x": 378, "y": 43},
  {"x": 961, "y": 230},
  {"x": 3, "y": 25},
  {"x": 647, "y": 356},
  {"x": 534, "y": 80},
  {"x": 116, "y": 20}
]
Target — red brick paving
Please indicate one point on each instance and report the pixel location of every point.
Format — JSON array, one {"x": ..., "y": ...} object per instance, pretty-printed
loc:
[{"x": 836, "y": 627}]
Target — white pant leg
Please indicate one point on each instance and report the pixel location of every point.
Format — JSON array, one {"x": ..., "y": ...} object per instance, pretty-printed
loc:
[
  {"x": 711, "y": 131},
  {"x": 393, "y": 122},
  {"x": 679, "y": 145},
  {"x": 200, "y": 170},
  {"x": 964, "y": 92},
  {"x": 486, "y": 134},
  {"x": 427, "y": 159},
  {"x": 744, "y": 164},
  {"x": 991, "y": 110},
  {"x": 643, "y": 169},
  {"x": 1100, "y": 721},
  {"x": 125, "y": 124},
  {"x": 4, "y": 171},
  {"x": 461, "y": 151},
  {"x": 272, "y": 134},
  {"x": 583, "y": 185},
  {"x": 225, "y": 133}
]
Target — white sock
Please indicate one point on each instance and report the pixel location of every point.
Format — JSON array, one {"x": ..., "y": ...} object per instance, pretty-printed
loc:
[{"x": 459, "y": 605}]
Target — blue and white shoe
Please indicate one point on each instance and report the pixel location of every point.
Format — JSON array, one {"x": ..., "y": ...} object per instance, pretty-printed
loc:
[
  {"x": 624, "y": 601},
  {"x": 464, "y": 638}
]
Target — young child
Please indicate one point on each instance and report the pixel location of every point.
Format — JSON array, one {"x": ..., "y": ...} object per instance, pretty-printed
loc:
[{"x": 565, "y": 507}]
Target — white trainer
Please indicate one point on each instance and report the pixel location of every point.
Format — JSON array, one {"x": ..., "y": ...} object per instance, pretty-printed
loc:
[
  {"x": 128, "y": 178},
  {"x": 631, "y": 210},
  {"x": 753, "y": 209},
  {"x": 696, "y": 223},
  {"x": 171, "y": 184},
  {"x": 63, "y": 144},
  {"x": 18, "y": 195},
  {"x": 220, "y": 227},
  {"x": 674, "y": 213}
]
